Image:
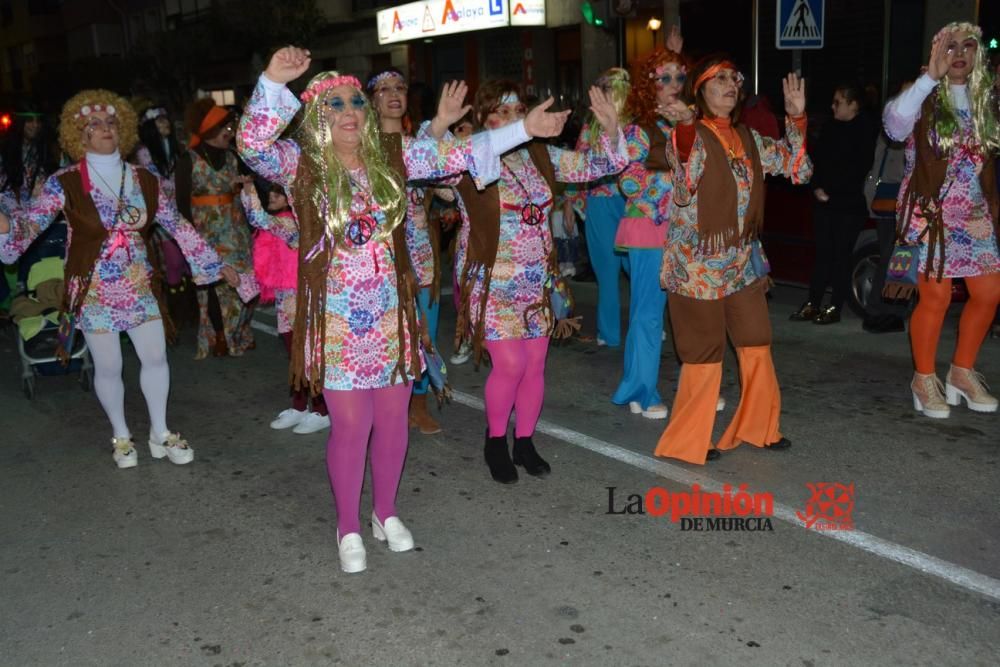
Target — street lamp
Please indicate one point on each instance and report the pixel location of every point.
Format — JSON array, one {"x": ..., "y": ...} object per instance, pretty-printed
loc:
[{"x": 654, "y": 25}]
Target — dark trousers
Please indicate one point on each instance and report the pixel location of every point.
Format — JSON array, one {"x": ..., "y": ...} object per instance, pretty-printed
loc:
[
  {"x": 700, "y": 325},
  {"x": 836, "y": 233}
]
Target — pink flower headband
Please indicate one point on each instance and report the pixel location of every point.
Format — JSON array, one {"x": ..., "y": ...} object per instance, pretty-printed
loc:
[
  {"x": 662, "y": 69},
  {"x": 88, "y": 109},
  {"x": 382, "y": 77},
  {"x": 317, "y": 89}
]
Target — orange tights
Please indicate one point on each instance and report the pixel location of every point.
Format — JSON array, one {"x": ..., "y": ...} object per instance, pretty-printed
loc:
[{"x": 928, "y": 318}]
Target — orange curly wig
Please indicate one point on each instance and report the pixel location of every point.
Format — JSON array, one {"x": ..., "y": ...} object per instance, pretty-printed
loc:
[{"x": 641, "y": 103}]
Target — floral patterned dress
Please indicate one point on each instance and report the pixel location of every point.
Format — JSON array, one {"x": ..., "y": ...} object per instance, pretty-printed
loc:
[
  {"x": 361, "y": 346},
  {"x": 120, "y": 297},
  {"x": 224, "y": 227},
  {"x": 970, "y": 241},
  {"x": 692, "y": 272},
  {"x": 521, "y": 269}
]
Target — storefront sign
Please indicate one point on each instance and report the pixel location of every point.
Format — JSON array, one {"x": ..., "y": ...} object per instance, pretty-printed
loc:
[{"x": 433, "y": 18}]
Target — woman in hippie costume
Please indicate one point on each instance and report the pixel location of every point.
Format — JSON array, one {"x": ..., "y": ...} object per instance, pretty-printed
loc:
[
  {"x": 111, "y": 287},
  {"x": 509, "y": 268},
  {"x": 356, "y": 336},
  {"x": 948, "y": 212},
  {"x": 713, "y": 264}
]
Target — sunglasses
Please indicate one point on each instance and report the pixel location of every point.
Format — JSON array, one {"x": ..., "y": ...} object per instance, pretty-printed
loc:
[
  {"x": 667, "y": 79},
  {"x": 338, "y": 105},
  {"x": 728, "y": 75}
]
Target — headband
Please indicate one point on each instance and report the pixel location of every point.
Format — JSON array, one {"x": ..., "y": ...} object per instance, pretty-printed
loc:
[
  {"x": 972, "y": 29},
  {"x": 509, "y": 98},
  {"x": 88, "y": 109},
  {"x": 214, "y": 116},
  {"x": 317, "y": 89},
  {"x": 382, "y": 76},
  {"x": 153, "y": 114},
  {"x": 712, "y": 71}
]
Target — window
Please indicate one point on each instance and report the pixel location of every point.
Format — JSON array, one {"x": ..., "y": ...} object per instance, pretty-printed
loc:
[{"x": 223, "y": 97}]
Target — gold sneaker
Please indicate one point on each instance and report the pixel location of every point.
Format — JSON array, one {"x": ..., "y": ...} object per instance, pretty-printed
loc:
[
  {"x": 928, "y": 396},
  {"x": 970, "y": 385}
]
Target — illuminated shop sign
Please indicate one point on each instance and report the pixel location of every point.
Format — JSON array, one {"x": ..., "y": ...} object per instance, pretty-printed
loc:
[{"x": 433, "y": 18}]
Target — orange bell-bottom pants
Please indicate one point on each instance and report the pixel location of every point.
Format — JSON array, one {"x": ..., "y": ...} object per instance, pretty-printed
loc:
[
  {"x": 928, "y": 319},
  {"x": 700, "y": 328}
]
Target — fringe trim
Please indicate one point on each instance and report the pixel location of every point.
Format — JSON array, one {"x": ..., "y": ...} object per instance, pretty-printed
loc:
[{"x": 465, "y": 328}]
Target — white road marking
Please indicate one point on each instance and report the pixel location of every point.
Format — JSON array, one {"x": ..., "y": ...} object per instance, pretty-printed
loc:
[{"x": 918, "y": 560}]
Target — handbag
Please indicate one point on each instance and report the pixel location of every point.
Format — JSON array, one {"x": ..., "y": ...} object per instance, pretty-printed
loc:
[
  {"x": 759, "y": 262},
  {"x": 66, "y": 336},
  {"x": 884, "y": 200}
]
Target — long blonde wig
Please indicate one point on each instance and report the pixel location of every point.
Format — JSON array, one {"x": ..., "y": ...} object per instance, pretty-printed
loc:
[
  {"x": 616, "y": 83},
  {"x": 333, "y": 194},
  {"x": 985, "y": 127},
  {"x": 72, "y": 122}
]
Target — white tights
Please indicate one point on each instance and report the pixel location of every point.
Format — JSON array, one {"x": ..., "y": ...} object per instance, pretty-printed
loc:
[{"x": 154, "y": 375}]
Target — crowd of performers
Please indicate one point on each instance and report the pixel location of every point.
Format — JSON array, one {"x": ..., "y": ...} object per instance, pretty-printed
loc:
[{"x": 669, "y": 181}]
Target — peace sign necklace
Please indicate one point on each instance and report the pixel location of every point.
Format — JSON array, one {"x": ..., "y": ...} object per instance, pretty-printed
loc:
[
  {"x": 531, "y": 213},
  {"x": 125, "y": 213},
  {"x": 362, "y": 225},
  {"x": 737, "y": 161}
]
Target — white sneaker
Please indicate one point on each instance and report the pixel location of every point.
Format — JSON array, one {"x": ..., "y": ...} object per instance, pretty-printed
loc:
[
  {"x": 288, "y": 418},
  {"x": 399, "y": 536},
  {"x": 124, "y": 455},
  {"x": 312, "y": 422},
  {"x": 720, "y": 405},
  {"x": 663, "y": 336},
  {"x": 352, "y": 553},
  {"x": 658, "y": 411},
  {"x": 462, "y": 354},
  {"x": 601, "y": 342},
  {"x": 172, "y": 446}
]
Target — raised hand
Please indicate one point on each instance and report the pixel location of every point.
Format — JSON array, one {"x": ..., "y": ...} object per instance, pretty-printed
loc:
[
  {"x": 451, "y": 108},
  {"x": 604, "y": 110},
  {"x": 941, "y": 57},
  {"x": 675, "y": 42},
  {"x": 541, "y": 123},
  {"x": 795, "y": 94},
  {"x": 287, "y": 64}
]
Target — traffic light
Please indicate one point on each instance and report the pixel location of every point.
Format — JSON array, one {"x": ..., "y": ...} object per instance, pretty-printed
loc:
[
  {"x": 993, "y": 44},
  {"x": 590, "y": 16},
  {"x": 5, "y": 122}
]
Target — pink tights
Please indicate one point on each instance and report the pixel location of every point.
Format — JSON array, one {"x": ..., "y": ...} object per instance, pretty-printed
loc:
[
  {"x": 517, "y": 381},
  {"x": 353, "y": 415}
]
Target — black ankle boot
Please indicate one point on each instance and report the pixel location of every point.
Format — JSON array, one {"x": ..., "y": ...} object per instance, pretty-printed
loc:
[
  {"x": 498, "y": 459},
  {"x": 526, "y": 456}
]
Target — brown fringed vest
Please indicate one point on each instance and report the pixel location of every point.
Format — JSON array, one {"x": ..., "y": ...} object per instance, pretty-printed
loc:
[
  {"x": 307, "y": 366},
  {"x": 434, "y": 234},
  {"x": 89, "y": 235},
  {"x": 718, "y": 225},
  {"x": 483, "y": 208},
  {"x": 925, "y": 191},
  {"x": 656, "y": 159}
]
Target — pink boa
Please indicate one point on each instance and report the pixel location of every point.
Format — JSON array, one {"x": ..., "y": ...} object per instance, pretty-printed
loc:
[{"x": 276, "y": 265}]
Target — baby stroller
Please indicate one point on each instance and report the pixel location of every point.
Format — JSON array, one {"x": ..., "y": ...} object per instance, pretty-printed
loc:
[{"x": 35, "y": 311}]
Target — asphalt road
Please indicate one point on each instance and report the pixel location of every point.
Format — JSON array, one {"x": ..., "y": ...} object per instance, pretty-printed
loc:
[{"x": 232, "y": 560}]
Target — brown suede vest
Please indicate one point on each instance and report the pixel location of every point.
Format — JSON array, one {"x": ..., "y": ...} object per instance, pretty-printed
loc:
[
  {"x": 89, "y": 235},
  {"x": 926, "y": 184},
  {"x": 483, "y": 209},
  {"x": 718, "y": 224},
  {"x": 656, "y": 159},
  {"x": 309, "y": 332}
]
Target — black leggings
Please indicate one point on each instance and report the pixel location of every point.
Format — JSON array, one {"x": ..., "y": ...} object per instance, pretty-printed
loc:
[{"x": 836, "y": 233}]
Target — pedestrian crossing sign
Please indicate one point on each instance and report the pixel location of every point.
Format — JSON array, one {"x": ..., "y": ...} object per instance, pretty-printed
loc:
[{"x": 799, "y": 24}]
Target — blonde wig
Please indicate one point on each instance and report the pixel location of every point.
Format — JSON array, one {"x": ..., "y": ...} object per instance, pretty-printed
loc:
[
  {"x": 72, "y": 121},
  {"x": 616, "y": 83},
  {"x": 944, "y": 123},
  {"x": 333, "y": 192}
]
